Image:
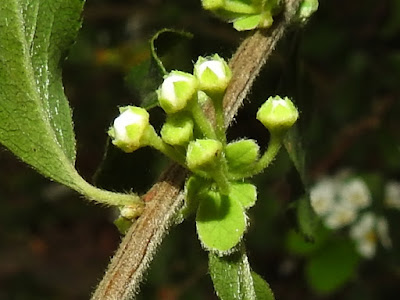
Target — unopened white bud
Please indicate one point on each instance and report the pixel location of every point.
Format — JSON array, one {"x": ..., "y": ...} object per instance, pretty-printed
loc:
[
  {"x": 129, "y": 128},
  {"x": 176, "y": 91}
]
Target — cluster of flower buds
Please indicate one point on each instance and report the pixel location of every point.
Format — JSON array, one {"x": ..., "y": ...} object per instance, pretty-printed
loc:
[
  {"x": 345, "y": 201},
  {"x": 190, "y": 138}
]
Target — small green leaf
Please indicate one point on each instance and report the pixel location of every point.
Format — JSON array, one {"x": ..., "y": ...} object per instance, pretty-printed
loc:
[
  {"x": 332, "y": 267},
  {"x": 261, "y": 287},
  {"x": 240, "y": 155},
  {"x": 234, "y": 280},
  {"x": 220, "y": 222},
  {"x": 245, "y": 193}
]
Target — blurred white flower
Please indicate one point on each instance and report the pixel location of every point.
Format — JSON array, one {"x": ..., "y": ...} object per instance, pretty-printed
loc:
[
  {"x": 392, "y": 195},
  {"x": 367, "y": 231},
  {"x": 340, "y": 216},
  {"x": 322, "y": 196},
  {"x": 355, "y": 193}
]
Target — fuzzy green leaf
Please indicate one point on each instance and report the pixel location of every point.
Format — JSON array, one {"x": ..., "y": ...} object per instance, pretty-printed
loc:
[
  {"x": 220, "y": 222},
  {"x": 234, "y": 280},
  {"x": 245, "y": 193},
  {"x": 35, "y": 118},
  {"x": 241, "y": 154},
  {"x": 261, "y": 288}
]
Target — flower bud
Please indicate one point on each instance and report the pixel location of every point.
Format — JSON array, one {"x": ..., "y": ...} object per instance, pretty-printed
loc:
[
  {"x": 278, "y": 114},
  {"x": 177, "y": 130},
  {"x": 213, "y": 74},
  {"x": 176, "y": 91},
  {"x": 129, "y": 128},
  {"x": 306, "y": 9},
  {"x": 130, "y": 211},
  {"x": 203, "y": 154}
]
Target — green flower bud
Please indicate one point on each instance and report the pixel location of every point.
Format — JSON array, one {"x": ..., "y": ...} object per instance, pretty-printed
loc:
[
  {"x": 130, "y": 211},
  {"x": 306, "y": 9},
  {"x": 177, "y": 130},
  {"x": 203, "y": 154},
  {"x": 277, "y": 114},
  {"x": 176, "y": 91},
  {"x": 213, "y": 74},
  {"x": 129, "y": 128}
]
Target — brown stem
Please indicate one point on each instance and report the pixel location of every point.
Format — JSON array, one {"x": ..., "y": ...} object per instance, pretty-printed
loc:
[{"x": 164, "y": 198}]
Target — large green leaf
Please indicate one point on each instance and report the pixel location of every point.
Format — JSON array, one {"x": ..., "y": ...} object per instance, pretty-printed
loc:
[{"x": 35, "y": 118}]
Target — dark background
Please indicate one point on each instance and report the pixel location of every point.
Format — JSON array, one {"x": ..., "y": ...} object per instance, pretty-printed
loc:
[{"x": 342, "y": 69}]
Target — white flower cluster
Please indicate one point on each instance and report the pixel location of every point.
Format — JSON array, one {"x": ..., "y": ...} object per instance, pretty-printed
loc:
[
  {"x": 338, "y": 200},
  {"x": 341, "y": 201},
  {"x": 392, "y": 195},
  {"x": 367, "y": 231}
]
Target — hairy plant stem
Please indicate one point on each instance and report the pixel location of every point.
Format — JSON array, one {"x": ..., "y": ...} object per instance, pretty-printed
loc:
[{"x": 137, "y": 248}]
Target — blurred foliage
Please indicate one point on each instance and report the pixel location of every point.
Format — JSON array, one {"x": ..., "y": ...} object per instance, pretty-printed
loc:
[{"x": 343, "y": 71}]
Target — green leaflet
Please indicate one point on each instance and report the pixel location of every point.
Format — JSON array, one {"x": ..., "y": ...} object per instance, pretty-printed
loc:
[
  {"x": 220, "y": 222},
  {"x": 241, "y": 155},
  {"x": 35, "y": 118},
  {"x": 234, "y": 280}
]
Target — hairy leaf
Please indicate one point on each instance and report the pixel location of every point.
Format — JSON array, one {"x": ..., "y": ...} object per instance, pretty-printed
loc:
[
  {"x": 234, "y": 280},
  {"x": 35, "y": 118},
  {"x": 220, "y": 222},
  {"x": 245, "y": 193}
]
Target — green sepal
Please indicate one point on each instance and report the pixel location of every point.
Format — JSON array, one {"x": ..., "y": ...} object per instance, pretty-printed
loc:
[
  {"x": 245, "y": 193},
  {"x": 241, "y": 155},
  {"x": 220, "y": 222}
]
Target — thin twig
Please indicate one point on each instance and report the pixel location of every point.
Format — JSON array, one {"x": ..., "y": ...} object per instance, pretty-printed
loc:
[{"x": 132, "y": 259}]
